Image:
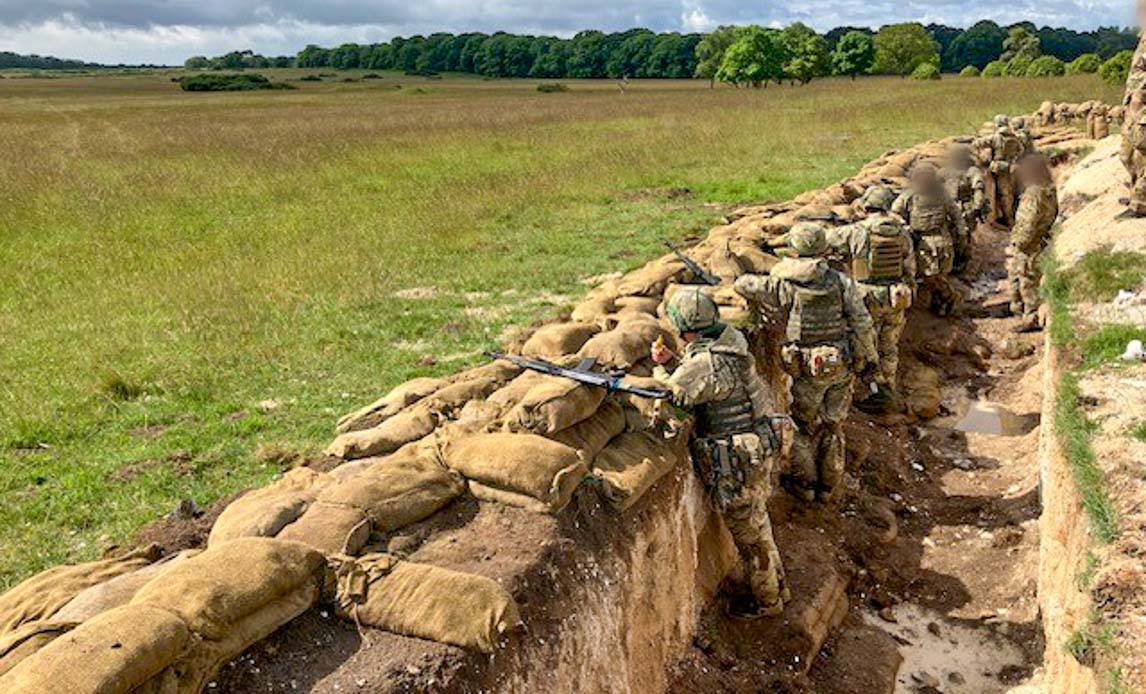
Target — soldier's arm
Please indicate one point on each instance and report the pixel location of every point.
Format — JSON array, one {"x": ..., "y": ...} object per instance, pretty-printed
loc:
[
  {"x": 909, "y": 267},
  {"x": 759, "y": 289},
  {"x": 691, "y": 383},
  {"x": 956, "y": 219},
  {"x": 901, "y": 206},
  {"x": 840, "y": 239},
  {"x": 979, "y": 190},
  {"x": 859, "y": 320}
]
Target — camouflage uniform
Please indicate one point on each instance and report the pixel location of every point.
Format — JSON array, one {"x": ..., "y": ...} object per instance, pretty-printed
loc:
[
  {"x": 1002, "y": 149},
  {"x": 1134, "y": 129},
  {"x": 828, "y": 338},
  {"x": 1038, "y": 210},
  {"x": 882, "y": 258},
  {"x": 935, "y": 222},
  {"x": 734, "y": 445},
  {"x": 965, "y": 185}
]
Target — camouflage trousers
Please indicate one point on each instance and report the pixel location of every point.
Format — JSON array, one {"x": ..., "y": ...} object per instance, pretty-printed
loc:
[
  {"x": 741, "y": 495},
  {"x": 1135, "y": 162},
  {"x": 1024, "y": 276},
  {"x": 888, "y": 322},
  {"x": 1001, "y": 193},
  {"x": 819, "y": 408}
]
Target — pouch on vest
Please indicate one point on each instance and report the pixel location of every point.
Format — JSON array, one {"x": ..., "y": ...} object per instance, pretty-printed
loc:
[{"x": 900, "y": 296}]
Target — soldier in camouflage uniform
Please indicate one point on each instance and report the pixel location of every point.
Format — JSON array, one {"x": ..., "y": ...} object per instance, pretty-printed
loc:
[
  {"x": 735, "y": 442},
  {"x": 882, "y": 256},
  {"x": 1019, "y": 127},
  {"x": 1002, "y": 150},
  {"x": 1134, "y": 123},
  {"x": 935, "y": 222},
  {"x": 965, "y": 184},
  {"x": 1038, "y": 210},
  {"x": 828, "y": 339}
]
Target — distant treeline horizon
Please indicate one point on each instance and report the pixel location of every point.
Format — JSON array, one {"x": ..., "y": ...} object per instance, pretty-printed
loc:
[{"x": 635, "y": 53}]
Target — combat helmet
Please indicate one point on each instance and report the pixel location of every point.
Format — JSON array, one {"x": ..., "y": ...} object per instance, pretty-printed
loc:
[
  {"x": 1002, "y": 121},
  {"x": 692, "y": 310},
  {"x": 879, "y": 198},
  {"x": 808, "y": 240},
  {"x": 1019, "y": 123}
]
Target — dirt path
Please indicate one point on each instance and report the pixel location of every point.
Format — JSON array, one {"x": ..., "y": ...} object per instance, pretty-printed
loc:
[{"x": 936, "y": 538}]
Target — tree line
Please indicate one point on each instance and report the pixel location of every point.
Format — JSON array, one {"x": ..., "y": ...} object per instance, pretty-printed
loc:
[
  {"x": 758, "y": 55},
  {"x": 11, "y": 61}
]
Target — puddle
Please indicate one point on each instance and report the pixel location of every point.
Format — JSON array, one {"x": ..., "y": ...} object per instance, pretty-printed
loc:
[
  {"x": 963, "y": 660},
  {"x": 995, "y": 420}
]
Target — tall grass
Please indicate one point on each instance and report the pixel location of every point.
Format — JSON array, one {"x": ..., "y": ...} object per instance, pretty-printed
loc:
[{"x": 169, "y": 261}]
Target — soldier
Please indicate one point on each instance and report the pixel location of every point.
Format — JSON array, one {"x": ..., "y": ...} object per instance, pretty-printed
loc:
[
  {"x": 1019, "y": 127},
  {"x": 734, "y": 439},
  {"x": 1038, "y": 210},
  {"x": 1002, "y": 149},
  {"x": 935, "y": 221},
  {"x": 828, "y": 339},
  {"x": 882, "y": 257},
  {"x": 1133, "y": 124},
  {"x": 965, "y": 185}
]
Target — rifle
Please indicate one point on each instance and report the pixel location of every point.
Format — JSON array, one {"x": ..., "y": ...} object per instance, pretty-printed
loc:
[
  {"x": 702, "y": 274},
  {"x": 583, "y": 373},
  {"x": 829, "y": 217}
]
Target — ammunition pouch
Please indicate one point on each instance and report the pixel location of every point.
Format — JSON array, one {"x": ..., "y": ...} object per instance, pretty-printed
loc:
[{"x": 816, "y": 361}]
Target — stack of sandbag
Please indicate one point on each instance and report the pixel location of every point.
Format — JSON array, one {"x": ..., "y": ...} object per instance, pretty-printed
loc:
[
  {"x": 629, "y": 343},
  {"x": 266, "y": 511},
  {"x": 414, "y": 410},
  {"x": 392, "y": 492},
  {"x": 173, "y": 632},
  {"x": 423, "y": 601}
]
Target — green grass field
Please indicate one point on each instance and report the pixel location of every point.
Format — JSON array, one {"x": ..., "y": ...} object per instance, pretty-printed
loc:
[{"x": 170, "y": 262}]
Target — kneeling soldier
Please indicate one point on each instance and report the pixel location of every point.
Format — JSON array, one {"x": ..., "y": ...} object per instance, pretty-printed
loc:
[{"x": 734, "y": 442}]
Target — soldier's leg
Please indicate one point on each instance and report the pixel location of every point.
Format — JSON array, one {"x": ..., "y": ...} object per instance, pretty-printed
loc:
[
  {"x": 746, "y": 515},
  {"x": 1007, "y": 192},
  {"x": 992, "y": 191},
  {"x": 889, "y": 336},
  {"x": 836, "y": 403},
  {"x": 1029, "y": 281},
  {"x": 1138, "y": 195},
  {"x": 1014, "y": 279},
  {"x": 807, "y": 396}
]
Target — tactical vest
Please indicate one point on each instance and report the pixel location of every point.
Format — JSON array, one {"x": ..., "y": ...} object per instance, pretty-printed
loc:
[
  {"x": 1012, "y": 148},
  {"x": 728, "y": 417},
  {"x": 817, "y": 315},
  {"x": 928, "y": 215},
  {"x": 885, "y": 256}
]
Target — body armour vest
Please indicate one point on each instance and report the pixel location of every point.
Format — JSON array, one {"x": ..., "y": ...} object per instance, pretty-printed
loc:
[
  {"x": 817, "y": 315},
  {"x": 885, "y": 256}
]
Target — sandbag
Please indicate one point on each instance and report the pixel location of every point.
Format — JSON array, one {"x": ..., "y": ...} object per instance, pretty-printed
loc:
[
  {"x": 534, "y": 472},
  {"x": 641, "y": 413},
  {"x": 397, "y": 491},
  {"x": 628, "y": 343},
  {"x": 266, "y": 511},
  {"x": 554, "y": 404},
  {"x": 753, "y": 259},
  {"x": 593, "y": 309},
  {"x": 40, "y": 596},
  {"x": 724, "y": 264},
  {"x": 558, "y": 339},
  {"x": 589, "y": 436},
  {"x": 511, "y": 393},
  {"x": 650, "y": 280},
  {"x": 217, "y": 589},
  {"x": 389, "y": 405},
  {"x": 499, "y": 370},
  {"x": 404, "y": 427},
  {"x": 117, "y": 592},
  {"x": 115, "y": 652},
  {"x": 454, "y": 396},
  {"x": 637, "y": 304},
  {"x": 330, "y": 529},
  {"x": 21, "y": 643},
  {"x": 425, "y": 601},
  {"x": 631, "y": 464}
]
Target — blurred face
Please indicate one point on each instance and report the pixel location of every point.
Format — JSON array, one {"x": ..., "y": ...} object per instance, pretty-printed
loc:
[
  {"x": 924, "y": 180},
  {"x": 1140, "y": 11}
]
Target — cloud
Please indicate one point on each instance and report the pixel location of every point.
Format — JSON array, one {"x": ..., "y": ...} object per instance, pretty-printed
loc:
[{"x": 167, "y": 31}]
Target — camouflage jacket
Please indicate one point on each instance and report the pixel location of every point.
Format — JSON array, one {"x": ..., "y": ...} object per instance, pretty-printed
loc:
[
  {"x": 967, "y": 188},
  {"x": 1038, "y": 210},
  {"x": 714, "y": 370},
  {"x": 777, "y": 293},
  {"x": 930, "y": 216}
]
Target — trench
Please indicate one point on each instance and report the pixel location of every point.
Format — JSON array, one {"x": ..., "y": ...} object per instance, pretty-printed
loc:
[{"x": 922, "y": 577}]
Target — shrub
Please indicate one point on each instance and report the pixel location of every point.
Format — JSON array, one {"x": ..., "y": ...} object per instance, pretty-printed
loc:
[
  {"x": 995, "y": 69},
  {"x": 1115, "y": 70},
  {"x": 1085, "y": 64},
  {"x": 1017, "y": 66},
  {"x": 372, "y": 76},
  {"x": 970, "y": 71},
  {"x": 310, "y": 78},
  {"x": 552, "y": 87},
  {"x": 216, "y": 82},
  {"x": 1046, "y": 66},
  {"x": 925, "y": 71}
]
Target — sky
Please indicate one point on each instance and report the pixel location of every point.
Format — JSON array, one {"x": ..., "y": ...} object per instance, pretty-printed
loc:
[{"x": 169, "y": 31}]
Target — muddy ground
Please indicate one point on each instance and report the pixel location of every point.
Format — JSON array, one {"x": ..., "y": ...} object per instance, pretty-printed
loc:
[{"x": 936, "y": 534}]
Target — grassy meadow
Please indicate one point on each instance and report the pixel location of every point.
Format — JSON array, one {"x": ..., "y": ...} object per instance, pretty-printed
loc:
[{"x": 190, "y": 283}]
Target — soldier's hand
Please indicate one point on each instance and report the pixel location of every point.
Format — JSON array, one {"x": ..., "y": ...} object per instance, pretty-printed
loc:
[{"x": 661, "y": 354}]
